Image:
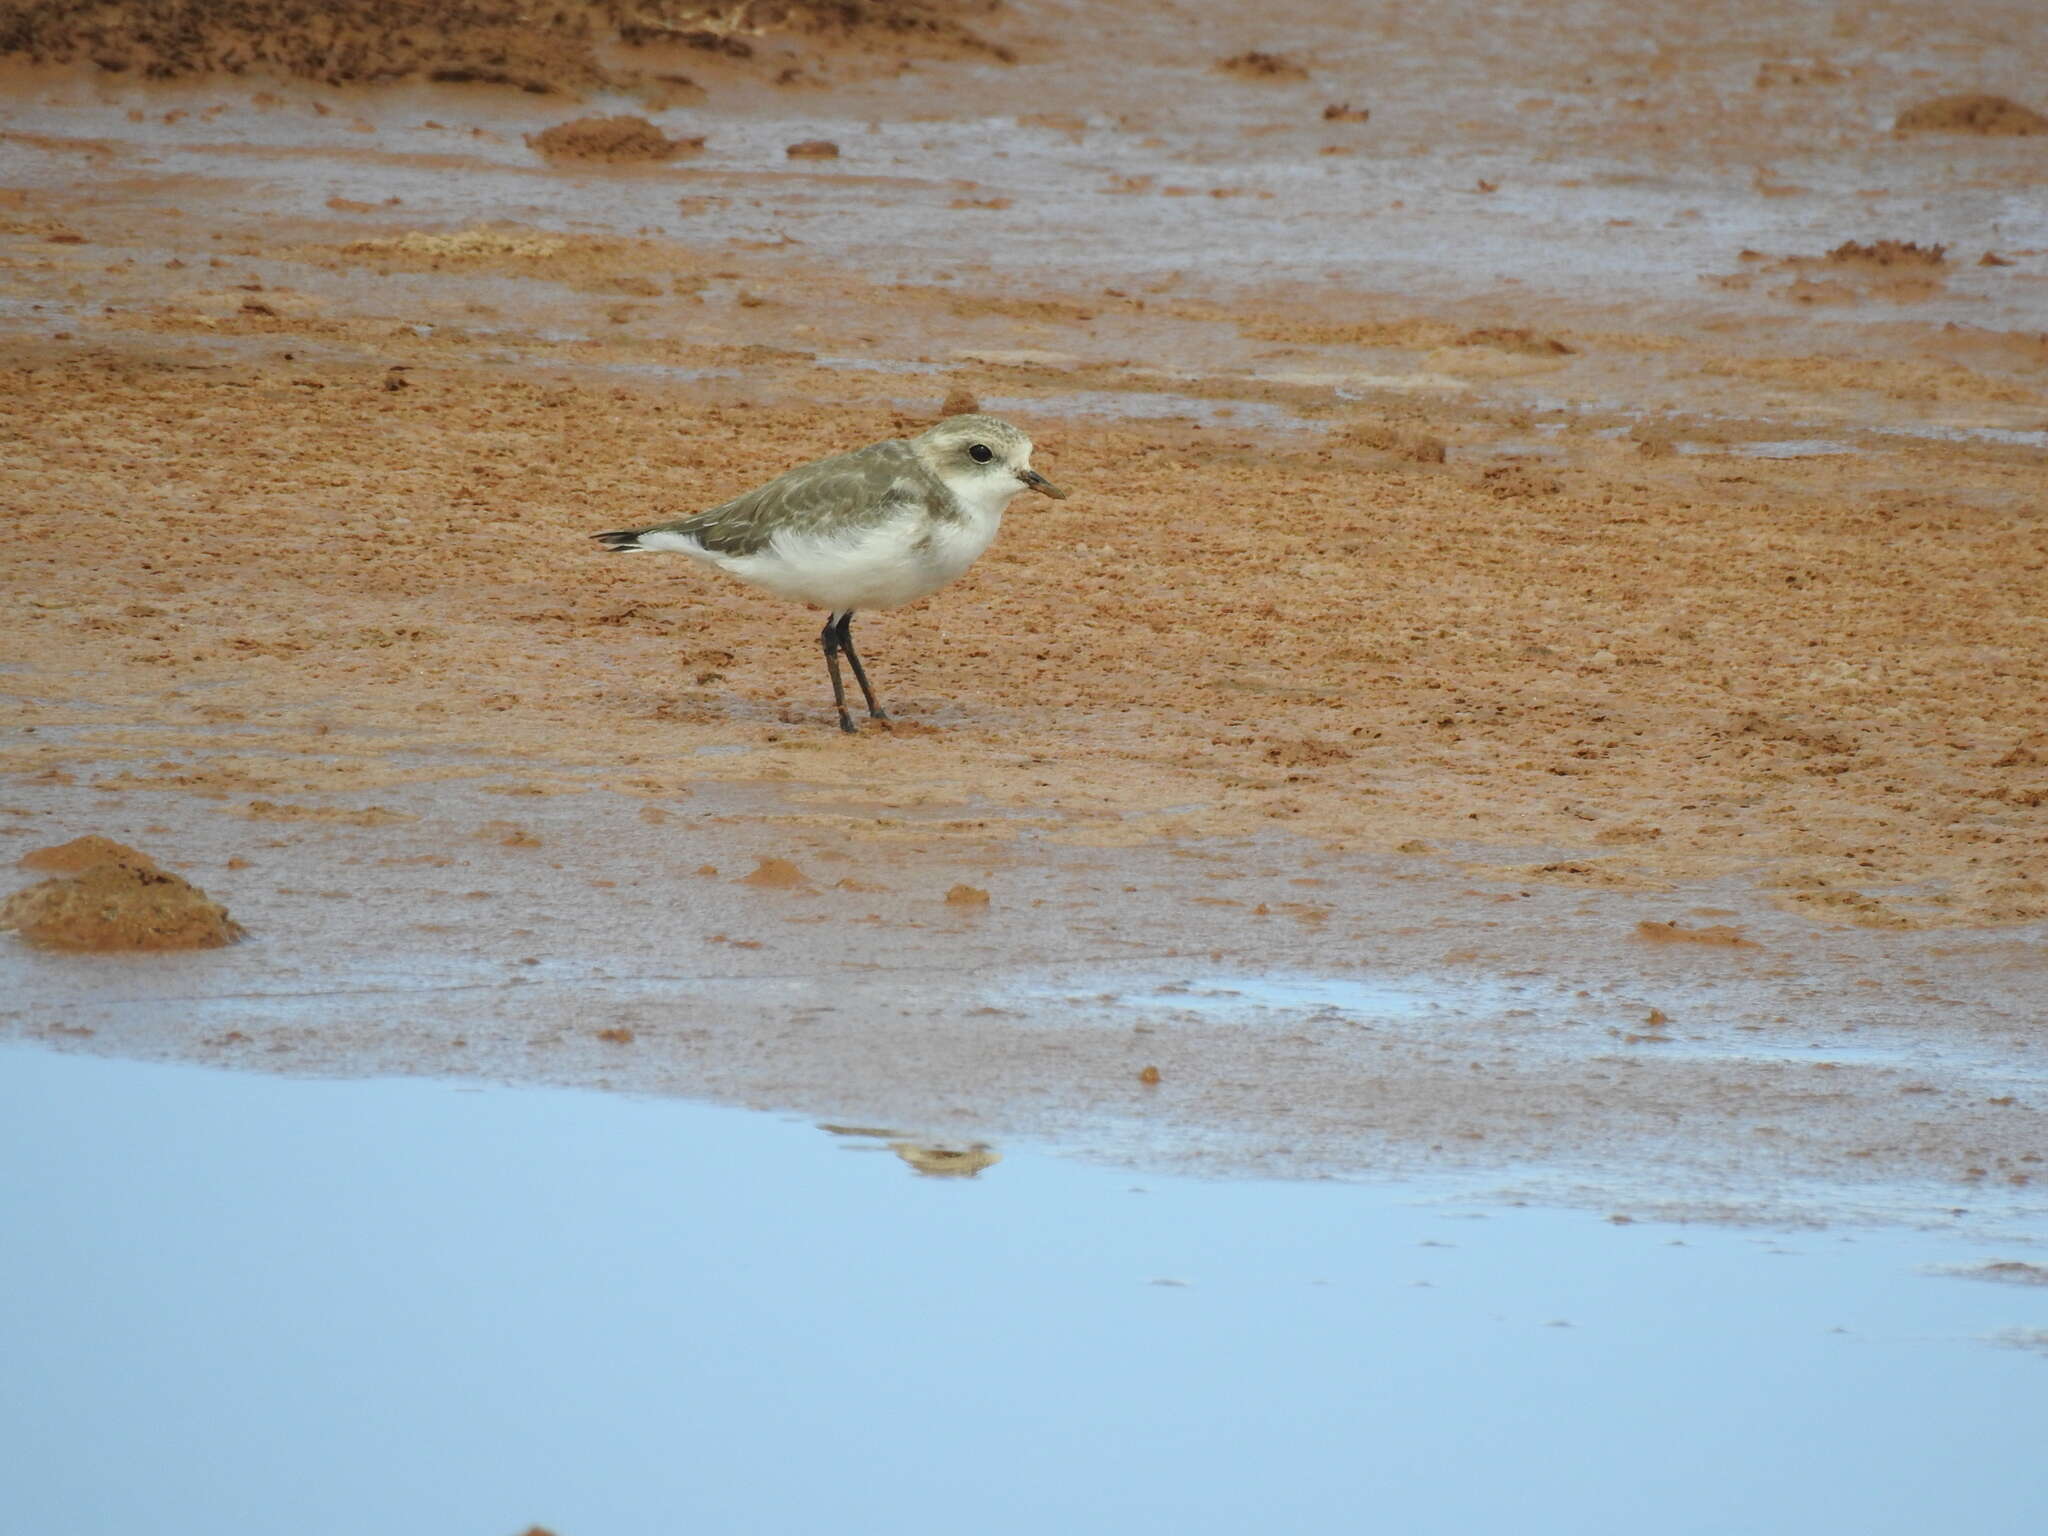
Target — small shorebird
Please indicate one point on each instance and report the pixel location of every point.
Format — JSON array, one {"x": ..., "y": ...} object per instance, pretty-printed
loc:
[{"x": 876, "y": 528}]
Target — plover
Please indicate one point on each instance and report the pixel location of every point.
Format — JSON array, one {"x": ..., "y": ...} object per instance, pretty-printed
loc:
[{"x": 875, "y": 528}]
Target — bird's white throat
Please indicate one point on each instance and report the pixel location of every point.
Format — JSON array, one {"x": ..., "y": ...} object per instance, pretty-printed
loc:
[{"x": 985, "y": 495}]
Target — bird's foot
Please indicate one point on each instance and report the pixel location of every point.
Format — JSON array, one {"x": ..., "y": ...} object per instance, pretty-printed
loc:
[{"x": 846, "y": 724}]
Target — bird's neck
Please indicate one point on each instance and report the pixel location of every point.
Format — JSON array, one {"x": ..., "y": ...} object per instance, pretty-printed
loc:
[{"x": 982, "y": 498}]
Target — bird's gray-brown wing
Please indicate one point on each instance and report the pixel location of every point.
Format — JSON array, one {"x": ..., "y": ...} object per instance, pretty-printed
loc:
[{"x": 813, "y": 498}]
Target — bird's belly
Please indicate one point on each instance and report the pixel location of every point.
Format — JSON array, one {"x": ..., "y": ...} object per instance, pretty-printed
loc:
[{"x": 882, "y": 566}]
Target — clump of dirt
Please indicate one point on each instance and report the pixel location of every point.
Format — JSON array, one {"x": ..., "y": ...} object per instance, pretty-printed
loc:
[
  {"x": 1344, "y": 112},
  {"x": 464, "y": 245},
  {"x": 1410, "y": 332},
  {"x": 1997, "y": 116},
  {"x": 83, "y": 853},
  {"x": 967, "y": 896},
  {"x": 1718, "y": 934},
  {"x": 1516, "y": 339},
  {"x": 813, "y": 149},
  {"x": 775, "y": 875},
  {"x": 1888, "y": 253},
  {"x": 122, "y": 901},
  {"x": 368, "y": 816},
  {"x": 1307, "y": 753},
  {"x": 1401, "y": 443},
  {"x": 1255, "y": 65},
  {"x": 959, "y": 401},
  {"x": 1899, "y": 379},
  {"x": 1630, "y": 831},
  {"x": 507, "y": 834},
  {"x": 638, "y": 268},
  {"x": 610, "y": 140},
  {"x": 1775, "y": 72}
]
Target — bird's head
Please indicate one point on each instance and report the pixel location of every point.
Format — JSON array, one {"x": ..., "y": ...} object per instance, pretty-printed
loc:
[{"x": 983, "y": 455}]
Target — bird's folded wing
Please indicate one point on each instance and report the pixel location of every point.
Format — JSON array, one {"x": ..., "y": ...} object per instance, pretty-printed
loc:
[{"x": 815, "y": 499}]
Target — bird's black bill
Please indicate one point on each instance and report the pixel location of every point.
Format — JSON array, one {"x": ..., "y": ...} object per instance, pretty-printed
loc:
[{"x": 1039, "y": 483}]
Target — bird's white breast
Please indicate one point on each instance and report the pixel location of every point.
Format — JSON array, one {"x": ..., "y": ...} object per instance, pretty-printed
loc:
[{"x": 955, "y": 544}]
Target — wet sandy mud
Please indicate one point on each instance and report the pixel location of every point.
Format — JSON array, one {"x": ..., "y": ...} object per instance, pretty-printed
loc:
[{"x": 1544, "y": 658}]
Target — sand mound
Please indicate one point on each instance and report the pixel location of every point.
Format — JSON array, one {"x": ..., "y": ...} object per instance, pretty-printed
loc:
[
  {"x": 611, "y": 140},
  {"x": 775, "y": 875},
  {"x": 123, "y": 902},
  {"x": 1996, "y": 115},
  {"x": 83, "y": 853}
]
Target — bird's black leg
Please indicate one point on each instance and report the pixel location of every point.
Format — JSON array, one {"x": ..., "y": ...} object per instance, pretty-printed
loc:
[
  {"x": 860, "y": 673},
  {"x": 830, "y": 639}
]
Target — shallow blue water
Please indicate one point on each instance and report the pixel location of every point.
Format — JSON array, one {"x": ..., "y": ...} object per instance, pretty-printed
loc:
[{"x": 233, "y": 1303}]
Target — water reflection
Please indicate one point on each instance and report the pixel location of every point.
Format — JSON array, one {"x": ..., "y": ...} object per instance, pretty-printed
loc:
[
  {"x": 235, "y": 1304},
  {"x": 933, "y": 1159}
]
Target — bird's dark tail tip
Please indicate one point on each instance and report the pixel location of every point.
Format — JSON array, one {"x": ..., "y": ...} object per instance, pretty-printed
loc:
[{"x": 622, "y": 539}]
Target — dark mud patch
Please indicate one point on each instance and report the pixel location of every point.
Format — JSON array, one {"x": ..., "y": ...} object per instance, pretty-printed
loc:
[
  {"x": 354, "y": 41},
  {"x": 1516, "y": 339},
  {"x": 1897, "y": 271},
  {"x": 1887, "y": 253},
  {"x": 1714, "y": 935},
  {"x": 1996, "y": 116},
  {"x": 1255, "y": 65}
]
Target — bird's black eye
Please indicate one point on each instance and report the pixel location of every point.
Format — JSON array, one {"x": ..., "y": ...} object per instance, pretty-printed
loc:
[{"x": 980, "y": 453}]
